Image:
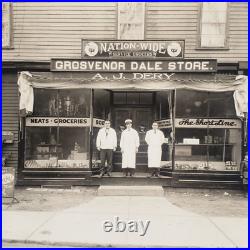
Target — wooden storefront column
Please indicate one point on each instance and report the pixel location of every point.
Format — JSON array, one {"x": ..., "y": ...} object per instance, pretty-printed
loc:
[
  {"x": 91, "y": 129},
  {"x": 173, "y": 103}
]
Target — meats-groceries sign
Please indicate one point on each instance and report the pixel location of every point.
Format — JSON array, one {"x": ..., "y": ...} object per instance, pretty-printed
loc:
[
  {"x": 133, "y": 49},
  {"x": 117, "y": 65},
  {"x": 62, "y": 122}
]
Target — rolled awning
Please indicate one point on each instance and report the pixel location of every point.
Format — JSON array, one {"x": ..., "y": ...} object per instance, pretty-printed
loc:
[{"x": 72, "y": 80}]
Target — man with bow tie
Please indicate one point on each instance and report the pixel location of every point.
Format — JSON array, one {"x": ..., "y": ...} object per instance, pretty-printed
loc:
[{"x": 106, "y": 143}]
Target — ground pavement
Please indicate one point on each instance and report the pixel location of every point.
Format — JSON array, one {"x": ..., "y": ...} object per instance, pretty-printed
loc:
[{"x": 83, "y": 225}]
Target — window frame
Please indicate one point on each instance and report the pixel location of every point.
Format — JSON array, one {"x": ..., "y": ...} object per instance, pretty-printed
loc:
[
  {"x": 199, "y": 24},
  {"x": 143, "y": 23},
  {"x": 10, "y": 27}
]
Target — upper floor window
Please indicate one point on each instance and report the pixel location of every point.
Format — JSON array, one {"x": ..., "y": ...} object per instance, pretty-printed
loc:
[
  {"x": 6, "y": 25},
  {"x": 213, "y": 25},
  {"x": 131, "y": 17}
]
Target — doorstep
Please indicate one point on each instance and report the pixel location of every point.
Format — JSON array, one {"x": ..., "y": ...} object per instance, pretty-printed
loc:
[{"x": 155, "y": 191}]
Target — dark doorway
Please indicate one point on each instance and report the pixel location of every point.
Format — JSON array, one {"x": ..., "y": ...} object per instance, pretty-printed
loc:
[{"x": 142, "y": 118}]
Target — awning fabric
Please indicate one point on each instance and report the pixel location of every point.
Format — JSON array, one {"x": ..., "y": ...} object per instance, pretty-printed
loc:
[{"x": 212, "y": 83}]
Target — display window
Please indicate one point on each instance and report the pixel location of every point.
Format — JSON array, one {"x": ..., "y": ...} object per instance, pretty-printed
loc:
[
  {"x": 164, "y": 106},
  {"x": 102, "y": 112},
  {"x": 207, "y": 132},
  {"x": 201, "y": 129},
  {"x": 57, "y": 133}
]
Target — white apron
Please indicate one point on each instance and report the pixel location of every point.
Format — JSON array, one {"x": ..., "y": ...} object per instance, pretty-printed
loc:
[
  {"x": 154, "y": 141},
  {"x": 129, "y": 142}
]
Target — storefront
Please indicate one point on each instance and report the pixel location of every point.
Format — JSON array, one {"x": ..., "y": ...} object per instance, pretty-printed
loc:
[{"x": 200, "y": 111}]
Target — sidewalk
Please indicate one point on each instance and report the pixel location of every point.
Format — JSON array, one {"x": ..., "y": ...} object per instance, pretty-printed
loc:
[{"x": 82, "y": 225}]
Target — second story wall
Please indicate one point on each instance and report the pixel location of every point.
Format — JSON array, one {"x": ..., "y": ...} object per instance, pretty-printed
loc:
[{"x": 45, "y": 30}]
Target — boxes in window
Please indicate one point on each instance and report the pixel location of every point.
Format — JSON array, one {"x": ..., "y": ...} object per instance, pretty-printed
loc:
[
  {"x": 75, "y": 155},
  {"x": 42, "y": 149},
  {"x": 42, "y": 157},
  {"x": 191, "y": 141},
  {"x": 183, "y": 150},
  {"x": 53, "y": 161},
  {"x": 217, "y": 165}
]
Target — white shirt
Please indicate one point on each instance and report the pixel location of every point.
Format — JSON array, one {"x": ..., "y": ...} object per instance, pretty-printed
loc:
[
  {"x": 155, "y": 138},
  {"x": 106, "y": 139}
]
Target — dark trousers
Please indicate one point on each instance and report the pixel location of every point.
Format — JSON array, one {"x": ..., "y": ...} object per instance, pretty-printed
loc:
[
  {"x": 154, "y": 171},
  {"x": 129, "y": 171},
  {"x": 106, "y": 155}
]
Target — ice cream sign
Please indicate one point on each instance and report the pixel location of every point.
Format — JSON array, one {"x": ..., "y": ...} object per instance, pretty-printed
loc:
[{"x": 133, "y": 49}]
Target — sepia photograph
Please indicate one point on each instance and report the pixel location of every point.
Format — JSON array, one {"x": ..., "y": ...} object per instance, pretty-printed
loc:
[{"x": 124, "y": 124}]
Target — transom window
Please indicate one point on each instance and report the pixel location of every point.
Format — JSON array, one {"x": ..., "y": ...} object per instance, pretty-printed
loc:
[{"x": 141, "y": 98}]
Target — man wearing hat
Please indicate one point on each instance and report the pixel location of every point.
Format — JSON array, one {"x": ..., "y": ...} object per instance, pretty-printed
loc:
[
  {"x": 154, "y": 138},
  {"x": 129, "y": 147},
  {"x": 106, "y": 143}
]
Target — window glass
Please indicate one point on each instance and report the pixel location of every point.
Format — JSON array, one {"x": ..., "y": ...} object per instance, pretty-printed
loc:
[
  {"x": 221, "y": 104},
  {"x": 102, "y": 104},
  {"x": 119, "y": 97},
  {"x": 45, "y": 103},
  {"x": 213, "y": 24},
  {"x": 190, "y": 103},
  {"x": 146, "y": 98},
  {"x": 56, "y": 142},
  {"x": 133, "y": 98},
  {"x": 197, "y": 104},
  {"x": 74, "y": 103},
  {"x": 6, "y": 24},
  {"x": 162, "y": 105},
  {"x": 207, "y": 149},
  {"x": 56, "y": 147},
  {"x": 74, "y": 146},
  {"x": 101, "y": 111},
  {"x": 131, "y": 17}
]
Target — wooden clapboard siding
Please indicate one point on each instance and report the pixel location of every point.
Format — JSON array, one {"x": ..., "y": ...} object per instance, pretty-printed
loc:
[
  {"x": 180, "y": 21},
  {"x": 54, "y": 29},
  {"x": 10, "y": 120}
]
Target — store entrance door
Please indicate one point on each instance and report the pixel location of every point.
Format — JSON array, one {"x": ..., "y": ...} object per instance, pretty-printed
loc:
[{"x": 142, "y": 118}]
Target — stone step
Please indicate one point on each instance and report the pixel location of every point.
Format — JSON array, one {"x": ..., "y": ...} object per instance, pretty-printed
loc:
[{"x": 130, "y": 191}]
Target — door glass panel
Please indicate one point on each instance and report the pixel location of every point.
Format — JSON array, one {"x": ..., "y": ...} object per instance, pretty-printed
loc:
[
  {"x": 119, "y": 97},
  {"x": 146, "y": 98},
  {"x": 133, "y": 98}
]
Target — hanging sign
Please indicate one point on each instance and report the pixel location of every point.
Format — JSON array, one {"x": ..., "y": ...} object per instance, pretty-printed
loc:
[
  {"x": 100, "y": 65},
  {"x": 207, "y": 123},
  {"x": 133, "y": 49},
  {"x": 8, "y": 182},
  {"x": 62, "y": 122},
  {"x": 201, "y": 123}
]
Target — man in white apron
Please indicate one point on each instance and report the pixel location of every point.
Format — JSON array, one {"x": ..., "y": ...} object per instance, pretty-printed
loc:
[
  {"x": 129, "y": 147},
  {"x": 154, "y": 138}
]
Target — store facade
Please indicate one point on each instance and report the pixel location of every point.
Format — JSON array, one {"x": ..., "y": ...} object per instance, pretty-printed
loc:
[
  {"x": 199, "y": 111},
  {"x": 80, "y": 73}
]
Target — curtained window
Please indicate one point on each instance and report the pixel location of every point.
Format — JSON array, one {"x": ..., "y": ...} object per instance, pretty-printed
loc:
[
  {"x": 131, "y": 17},
  {"x": 213, "y": 25},
  {"x": 6, "y": 25}
]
